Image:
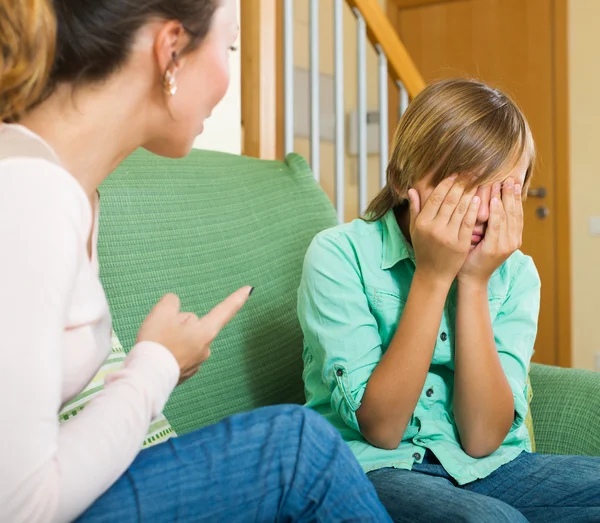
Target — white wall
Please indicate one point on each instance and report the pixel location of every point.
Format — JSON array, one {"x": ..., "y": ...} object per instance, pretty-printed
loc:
[{"x": 223, "y": 130}]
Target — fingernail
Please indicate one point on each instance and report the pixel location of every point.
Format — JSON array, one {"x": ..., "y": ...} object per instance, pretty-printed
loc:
[
  {"x": 510, "y": 183},
  {"x": 518, "y": 188},
  {"x": 453, "y": 177},
  {"x": 251, "y": 291},
  {"x": 496, "y": 186},
  {"x": 476, "y": 200}
]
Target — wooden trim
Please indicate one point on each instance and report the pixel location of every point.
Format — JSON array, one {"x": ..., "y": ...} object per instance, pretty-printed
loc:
[
  {"x": 408, "y": 4},
  {"x": 259, "y": 79},
  {"x": 563, "y": 182},
  {"x": 393, "y": 92},
  {"x": 381, "y": 31},
  {"x": 279, "y": 84}
]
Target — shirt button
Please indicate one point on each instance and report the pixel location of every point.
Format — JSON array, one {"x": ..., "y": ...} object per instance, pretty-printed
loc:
[
  {"x": 429, "y": 392},
  {"x": 443, "y": 336},
  {"x": 339, "y": 372},
  {"x": 417, "y": 456}
]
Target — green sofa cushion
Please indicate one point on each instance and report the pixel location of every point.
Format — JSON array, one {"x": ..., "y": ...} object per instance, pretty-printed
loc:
[
  {"x": 184, "y": 226},
  {"x": 566, "y": 410}
]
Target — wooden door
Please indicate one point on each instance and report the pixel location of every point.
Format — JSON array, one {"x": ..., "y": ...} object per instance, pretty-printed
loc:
[{"x": 513, "y": 45}]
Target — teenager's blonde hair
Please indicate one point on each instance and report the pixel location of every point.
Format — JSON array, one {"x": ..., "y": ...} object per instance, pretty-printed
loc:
[
  {"x": 454, "y": 127},
  {"x": 27, "y": 45}
]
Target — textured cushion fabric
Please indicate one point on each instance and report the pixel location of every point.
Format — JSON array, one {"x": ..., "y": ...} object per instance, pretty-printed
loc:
[
  {"x": 566, "y": 410},
  {"x": 202, "y": 227},
  {"x": 160, "y": 430}
]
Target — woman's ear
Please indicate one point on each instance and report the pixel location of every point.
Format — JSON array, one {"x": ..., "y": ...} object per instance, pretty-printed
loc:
[{"x": 170, "y": 41}]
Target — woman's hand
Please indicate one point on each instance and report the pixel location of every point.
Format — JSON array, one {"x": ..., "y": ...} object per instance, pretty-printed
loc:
[
  {"x": 441, "y": 231},
  {"x": 184, "y": 334},
  {"x": 503, "y": 236}
]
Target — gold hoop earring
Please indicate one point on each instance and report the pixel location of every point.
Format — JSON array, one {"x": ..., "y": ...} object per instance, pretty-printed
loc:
[{"x": 169, "y": 83}]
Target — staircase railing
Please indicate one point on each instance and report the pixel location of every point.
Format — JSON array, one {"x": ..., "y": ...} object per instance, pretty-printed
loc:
[{"x": 373, "y": 25}]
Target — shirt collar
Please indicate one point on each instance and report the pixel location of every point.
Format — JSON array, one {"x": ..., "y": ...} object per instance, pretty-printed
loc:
[{"x": 395, "y": 246}]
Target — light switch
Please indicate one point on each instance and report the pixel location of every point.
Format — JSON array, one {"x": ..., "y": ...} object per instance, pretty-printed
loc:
[{"x": 595, "y": 225}]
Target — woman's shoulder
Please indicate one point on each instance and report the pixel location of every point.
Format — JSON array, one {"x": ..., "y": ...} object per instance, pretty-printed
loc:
[
  {"x": 33, "y": 181},
  {"x": 39, "y": 180},
  {"x": 18, "y": 142}
]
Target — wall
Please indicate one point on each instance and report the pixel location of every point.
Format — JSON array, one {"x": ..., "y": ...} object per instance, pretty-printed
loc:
[
  {"x": 223, "y": 130},
  {"x": 584, "y": 78},
  {"x": 326, "y": 65}
]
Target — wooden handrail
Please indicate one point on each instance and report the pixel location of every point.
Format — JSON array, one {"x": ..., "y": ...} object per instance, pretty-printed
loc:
[
  {"x": 262, "y": 79},
  {"x": 408, "y": 4},
  {"x": 381, "y": 32}
]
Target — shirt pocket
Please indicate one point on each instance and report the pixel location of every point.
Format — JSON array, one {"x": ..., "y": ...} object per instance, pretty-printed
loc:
[{"x": 387, "y": 309}]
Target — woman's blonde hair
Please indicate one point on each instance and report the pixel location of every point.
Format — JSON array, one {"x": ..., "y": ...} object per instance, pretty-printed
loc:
[
  {"x": 27, "y": 45},
  {"x": 454, "y": 127}
]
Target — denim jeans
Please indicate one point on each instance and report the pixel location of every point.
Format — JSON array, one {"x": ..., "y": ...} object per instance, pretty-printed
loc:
[
  {"x": 533, "y": 487},
  {"x": 279, "y": 464}
]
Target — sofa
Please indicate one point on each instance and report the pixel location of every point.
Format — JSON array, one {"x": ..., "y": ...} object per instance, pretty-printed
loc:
[{"x": 210, "y": 223}]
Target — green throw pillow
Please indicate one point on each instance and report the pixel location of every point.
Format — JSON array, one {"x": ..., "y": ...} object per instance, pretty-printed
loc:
[
  {"x": 528, "y": 418},
  {"x": 160, "y": 429}
]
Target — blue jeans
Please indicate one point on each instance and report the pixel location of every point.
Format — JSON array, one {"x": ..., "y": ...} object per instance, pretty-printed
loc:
[
  {"x": 533, "y": 487},
  {"x": 279, "y": 464}
]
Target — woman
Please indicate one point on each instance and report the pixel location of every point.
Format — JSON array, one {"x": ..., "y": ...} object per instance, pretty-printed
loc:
[
  {"x": 88, "y": 83},
  {"x": 420, "y": 321}
]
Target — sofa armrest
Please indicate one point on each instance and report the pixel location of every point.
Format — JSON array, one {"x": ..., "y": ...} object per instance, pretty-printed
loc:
[{"x": 565, "y": 410}]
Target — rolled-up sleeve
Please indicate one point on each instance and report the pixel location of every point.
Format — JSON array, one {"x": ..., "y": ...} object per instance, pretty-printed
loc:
[
  {"x": 341, "y": 337},
  {"x": 515, "y": 329}
]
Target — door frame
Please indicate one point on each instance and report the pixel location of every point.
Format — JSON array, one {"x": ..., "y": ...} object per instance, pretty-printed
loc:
[
  {"x": 561, "y": 139},
  {"x": 260, "y": 30},
  {"x": 563, "y": 183}
]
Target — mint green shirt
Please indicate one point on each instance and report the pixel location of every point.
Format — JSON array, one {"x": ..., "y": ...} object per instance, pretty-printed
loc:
[{"x": 354, "y": 286}]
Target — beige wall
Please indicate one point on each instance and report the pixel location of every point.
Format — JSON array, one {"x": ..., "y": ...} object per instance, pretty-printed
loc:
[
  {"x": 301, "y": 59},
  {"x": 584, "y": 76}
]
